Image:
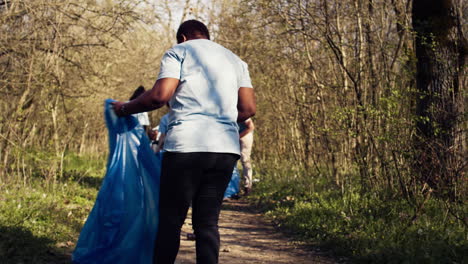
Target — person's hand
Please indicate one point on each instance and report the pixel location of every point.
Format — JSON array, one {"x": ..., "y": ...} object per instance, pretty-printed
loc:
[
  {"x": 152, "y": 134},
  {"x": 119, "y": 108}
]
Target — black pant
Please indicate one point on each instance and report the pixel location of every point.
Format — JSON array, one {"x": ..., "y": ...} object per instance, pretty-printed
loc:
[{"x": 200, "y": 178}]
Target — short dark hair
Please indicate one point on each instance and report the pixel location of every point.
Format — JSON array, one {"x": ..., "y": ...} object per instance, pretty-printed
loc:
[
  {"x": 192, "y": 29},
  {"x": 139, "y": 91}
]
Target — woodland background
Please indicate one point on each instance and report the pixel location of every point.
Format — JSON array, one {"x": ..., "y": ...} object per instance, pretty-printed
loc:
[{"x": 361, "y": 124}]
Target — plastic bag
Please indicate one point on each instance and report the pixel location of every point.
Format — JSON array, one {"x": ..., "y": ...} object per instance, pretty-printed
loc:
[
  {"x": 122, "y": 225},
  {"x": 233, "y": 186}
]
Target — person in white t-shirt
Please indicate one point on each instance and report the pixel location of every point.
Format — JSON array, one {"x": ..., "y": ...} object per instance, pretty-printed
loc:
[
  {"x": 209, "y": 90},
  {"x": 246, "y": 135}
]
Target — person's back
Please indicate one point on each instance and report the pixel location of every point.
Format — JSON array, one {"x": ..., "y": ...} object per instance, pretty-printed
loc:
[
  {"x": 204, "y": 107},
  {"x": 208, "y": 89}
]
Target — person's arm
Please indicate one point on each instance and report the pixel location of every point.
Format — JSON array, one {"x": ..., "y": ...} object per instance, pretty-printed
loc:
[
  {"x": 153, "y": 99},
  {"x": 161, "y": 142},
  {"x": 249, "y": 128},
  {"x": 246, "y": 105}
]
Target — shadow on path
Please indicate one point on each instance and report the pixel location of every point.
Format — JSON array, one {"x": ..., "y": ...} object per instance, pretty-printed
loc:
[{"x": 247, "y": 238}]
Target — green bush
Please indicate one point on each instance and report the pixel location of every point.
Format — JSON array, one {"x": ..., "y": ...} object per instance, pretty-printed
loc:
[{"x": 366, "y": 228}]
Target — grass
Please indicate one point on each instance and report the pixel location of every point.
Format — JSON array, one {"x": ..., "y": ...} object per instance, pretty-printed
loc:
[
  {"x": 40, "y": 218},
  {"x": 364, "y": 228},
  {"x": 40, "y": 221}
]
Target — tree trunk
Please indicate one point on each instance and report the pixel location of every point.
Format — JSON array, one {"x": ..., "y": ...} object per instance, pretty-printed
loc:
[{"x": 440, "y": 52}]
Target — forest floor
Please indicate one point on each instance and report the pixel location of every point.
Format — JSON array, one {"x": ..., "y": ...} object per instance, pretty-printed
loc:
[{"x": 247, "y": 238}]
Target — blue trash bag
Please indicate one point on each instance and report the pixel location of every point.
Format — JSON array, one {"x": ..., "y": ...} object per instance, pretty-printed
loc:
[
  {"x": 233, "y": 186},
  {"x": 122, "y": 225}
]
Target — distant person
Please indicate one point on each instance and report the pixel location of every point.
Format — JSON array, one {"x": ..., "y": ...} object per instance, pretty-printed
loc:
[
  {"x": 154, "y": 137},
  {"x": 208, "y": 89},
  {"x": 246, "y": 137},
  {"x": 143, "y": 118},
  {"x": 162, "y": 130}
]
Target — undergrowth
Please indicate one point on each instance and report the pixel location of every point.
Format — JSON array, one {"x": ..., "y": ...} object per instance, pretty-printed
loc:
[
  {"x": 40, "y": 220},
  {"x": 366, "y": 228}
]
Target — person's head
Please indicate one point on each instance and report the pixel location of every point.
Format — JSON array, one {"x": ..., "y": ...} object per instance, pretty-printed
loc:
[
  {"x": 192, "y": 29},
  {"x": 139, "y": 91}
]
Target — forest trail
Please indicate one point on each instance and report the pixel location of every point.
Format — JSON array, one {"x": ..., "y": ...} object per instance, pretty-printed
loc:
[{"x": 248, "y": 239}]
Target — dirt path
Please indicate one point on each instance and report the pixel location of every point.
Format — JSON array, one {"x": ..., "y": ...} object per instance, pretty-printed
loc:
[{"x": 247, "y": 239}]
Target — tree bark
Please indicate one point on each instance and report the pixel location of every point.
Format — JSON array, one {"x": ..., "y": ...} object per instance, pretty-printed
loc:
[{"x": 441, "y": 53}]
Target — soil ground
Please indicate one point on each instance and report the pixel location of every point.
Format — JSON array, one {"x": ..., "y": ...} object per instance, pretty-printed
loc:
[{"x": 247, "y": 238}]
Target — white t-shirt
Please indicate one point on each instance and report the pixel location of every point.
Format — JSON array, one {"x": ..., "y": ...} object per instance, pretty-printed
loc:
[
  {"x": 143, "y": 118},
  {"x": 204, "y": 107}
]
